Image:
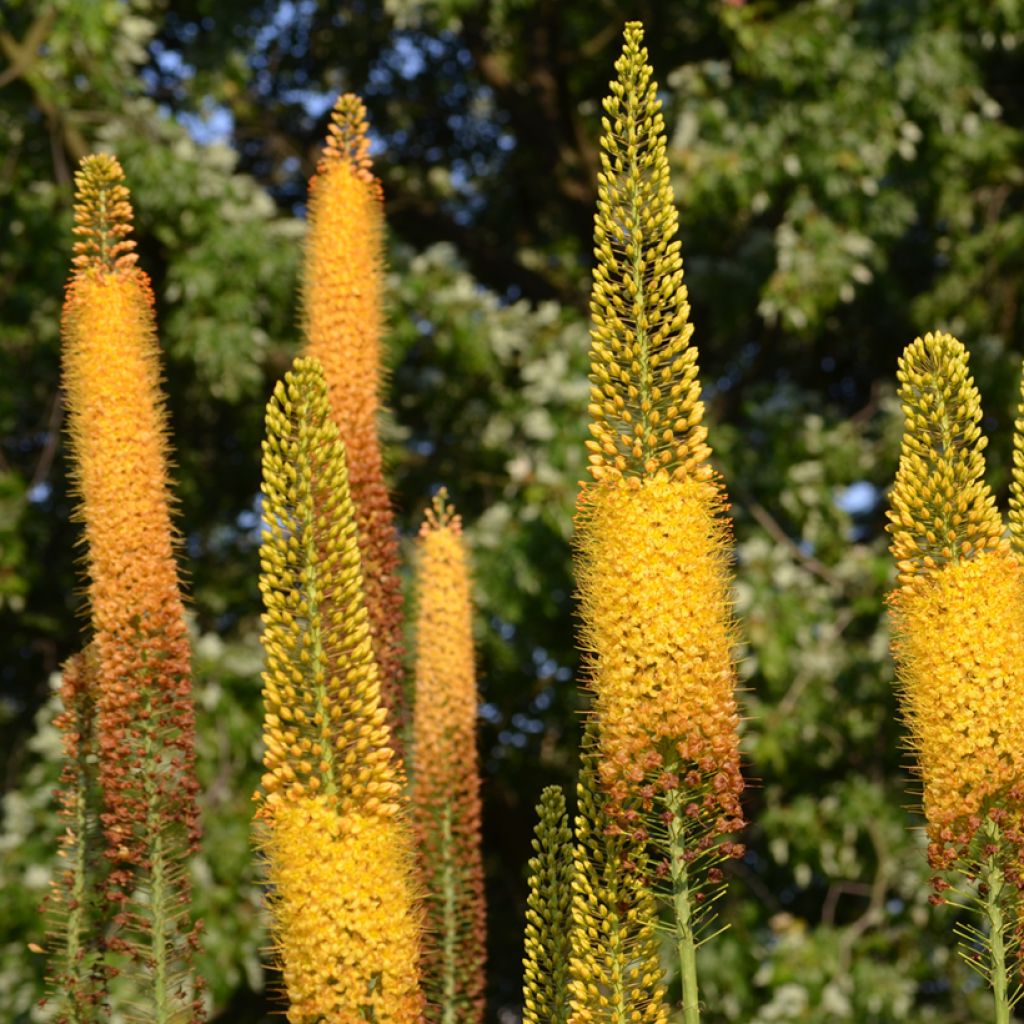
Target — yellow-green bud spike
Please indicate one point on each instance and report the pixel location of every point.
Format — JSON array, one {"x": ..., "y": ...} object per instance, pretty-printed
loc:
[
  {"x": 942, "y": 511},
  {"x": 644, "y": 398},
  {"x": 548, "y": 914},
  {"x": 614, "y": 965}
]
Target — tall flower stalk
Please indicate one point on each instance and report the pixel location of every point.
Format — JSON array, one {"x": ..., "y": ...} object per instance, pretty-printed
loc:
[
  {"x": 338, "y": 852},
  {"x": 145, "y": 728},
  {"x": 343, "y": 317},
  {"x": 958, "y": 630},
  {"x": 654, "y": 541},
  {"x": 446, "y": 783}
]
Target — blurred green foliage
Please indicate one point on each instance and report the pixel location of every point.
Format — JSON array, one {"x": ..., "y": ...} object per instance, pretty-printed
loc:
[{"x": 850, "y": 173}]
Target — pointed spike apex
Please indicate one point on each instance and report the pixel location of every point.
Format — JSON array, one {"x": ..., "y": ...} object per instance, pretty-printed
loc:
[
  {"x": 103, "y": 215},
  {"x": 348, "y": 135},
  {"x": 441, "y": 515},
  {"x": 941, "y": 503},
  {"x": 640, "y": 355}
]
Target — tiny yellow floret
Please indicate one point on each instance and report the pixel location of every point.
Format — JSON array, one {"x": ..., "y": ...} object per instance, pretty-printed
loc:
[{"x": 343, "y": 923}]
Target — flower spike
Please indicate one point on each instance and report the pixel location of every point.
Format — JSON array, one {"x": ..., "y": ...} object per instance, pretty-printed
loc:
[
  {"x": 338, "y": 853},
  {"x": 343, "y": 318},
  {"x": 145, "y": 720},
  {"x": 446, "y": 781}
]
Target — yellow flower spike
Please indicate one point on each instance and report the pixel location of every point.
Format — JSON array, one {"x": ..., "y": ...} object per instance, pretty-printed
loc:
[
  {"x": 653, "y": 542},
  {"x": 958, "y": 626},
  {"x": 339, "y": 854},
  {"x": 446, "y": 782},
  {"x": 342, "y": 309},
  {"x": 144, "y": 715}
]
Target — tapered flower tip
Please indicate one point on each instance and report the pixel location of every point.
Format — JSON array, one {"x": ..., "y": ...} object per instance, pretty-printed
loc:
[
  {"x": 103, "y": 216},
  {"x": 347, "y": 137},
  {"x": 645, "y": 397},
  {"x": 441, "y": 515},
  {"x": 942, "y": 510}
]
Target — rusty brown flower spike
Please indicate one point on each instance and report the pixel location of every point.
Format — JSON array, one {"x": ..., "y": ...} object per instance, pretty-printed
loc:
[{"x": 79, "y": 916}]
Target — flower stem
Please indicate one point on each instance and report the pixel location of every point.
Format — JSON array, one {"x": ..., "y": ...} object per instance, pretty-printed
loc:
[
  {"x": 997, "y": 926},
  {"x": 448, "y": 1009},
  {"x": 682, "y": 906}
]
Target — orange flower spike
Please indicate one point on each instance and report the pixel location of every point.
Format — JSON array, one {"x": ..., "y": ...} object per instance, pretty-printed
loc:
[
  {"x": 342, "y": 303},
  {"x": 446, "y": 783},
  {"x": 145, "y": 719}
]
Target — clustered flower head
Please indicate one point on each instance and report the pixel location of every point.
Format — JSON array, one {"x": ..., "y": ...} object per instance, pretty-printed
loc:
[
  {"x": 656, "y": 619},
  {"x": 342, "y": 311},
  {"x": 339, "y": 854},
  {"x": 446, "y": 781},
  {"x": 958, "y": 616},
  {"x": 654, "y": 540},
  {"x": 144, "y": 714}
]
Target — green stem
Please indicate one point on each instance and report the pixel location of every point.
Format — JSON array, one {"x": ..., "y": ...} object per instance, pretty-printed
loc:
[
  {"x": 997, "y": 928},
  {"x": 162, "y": 1009},
  {"x": 686, "y": 945},
  {"x": 318, "y": 667},
  {"x": 448, "y": 1010}
]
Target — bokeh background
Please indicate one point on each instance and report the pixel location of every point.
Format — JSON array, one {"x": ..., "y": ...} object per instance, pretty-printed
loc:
[{"x": 849, "y": 173}]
